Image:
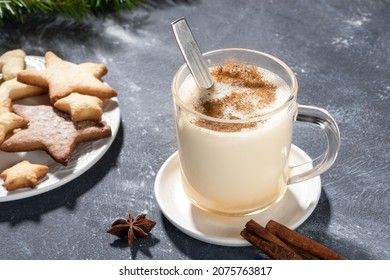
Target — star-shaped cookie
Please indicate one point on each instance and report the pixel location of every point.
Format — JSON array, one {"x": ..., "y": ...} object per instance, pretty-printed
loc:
[
  {"x": 61, "y": 78},
  {"x": 52, "y": 131},
  {"x": 5, "y": 105},
  {"x": 8, "y": 122},
  {"x": 11, "y": 63},
  {"x": 15, "y": 90},
  {"x": 23, "y": 175},
  {"x": 81, "y": 107}
]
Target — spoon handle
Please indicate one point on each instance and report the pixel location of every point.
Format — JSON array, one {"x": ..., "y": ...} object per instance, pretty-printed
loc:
[{"x": 191, "y": 53}]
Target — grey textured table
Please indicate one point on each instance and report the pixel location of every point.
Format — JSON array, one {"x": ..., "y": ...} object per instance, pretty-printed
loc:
[{"x": 340, "y": 52}]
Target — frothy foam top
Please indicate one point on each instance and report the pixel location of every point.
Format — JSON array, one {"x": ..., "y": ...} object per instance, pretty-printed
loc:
[{"x": 240, "y": 92}]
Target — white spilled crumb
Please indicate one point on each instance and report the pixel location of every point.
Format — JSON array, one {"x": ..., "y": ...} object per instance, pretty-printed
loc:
[
  {"x": 340, "y": 42},
  {"x": 119, "y": 32},
  {"x": 134, "y": 87},
  {"x": 124, "y": 34},
  {"x": 359, "y": 20}
]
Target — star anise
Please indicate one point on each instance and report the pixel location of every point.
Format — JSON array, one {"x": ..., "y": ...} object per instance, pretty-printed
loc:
[{"x": 133, "y": 228}]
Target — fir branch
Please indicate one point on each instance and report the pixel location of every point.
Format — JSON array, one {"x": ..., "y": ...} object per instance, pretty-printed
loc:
[{"x": 77, "y": 9}]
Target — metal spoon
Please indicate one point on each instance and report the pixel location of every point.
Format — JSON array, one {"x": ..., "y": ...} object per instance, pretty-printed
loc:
[{"x": 191, "y": 53}]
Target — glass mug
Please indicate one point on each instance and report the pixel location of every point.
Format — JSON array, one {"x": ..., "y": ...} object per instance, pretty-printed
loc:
[{"x": 246, "y": 171}]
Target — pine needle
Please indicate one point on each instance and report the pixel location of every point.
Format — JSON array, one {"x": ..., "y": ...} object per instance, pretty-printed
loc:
[{"x": 76, "y": 9}]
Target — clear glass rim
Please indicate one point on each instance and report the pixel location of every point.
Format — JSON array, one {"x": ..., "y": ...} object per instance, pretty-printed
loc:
[{"x": 293, "y": 94}]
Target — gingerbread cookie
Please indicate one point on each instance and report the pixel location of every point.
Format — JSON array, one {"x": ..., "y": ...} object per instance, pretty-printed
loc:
[
  {"x": 81, "y": 107},
  {"x": 11, "y": 63},
  {"x": 15, "y": 90},
  {"x": 52, "y": 131},
  {"x": 23, "y": 175},
  {"x": 62, "y": 78}
]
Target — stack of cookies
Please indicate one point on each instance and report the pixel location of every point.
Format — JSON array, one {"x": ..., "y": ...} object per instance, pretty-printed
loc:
[{"x": 76, "y": 93}]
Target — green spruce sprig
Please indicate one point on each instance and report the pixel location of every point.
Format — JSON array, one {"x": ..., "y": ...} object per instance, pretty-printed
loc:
[{"x": 77, "y": 9}]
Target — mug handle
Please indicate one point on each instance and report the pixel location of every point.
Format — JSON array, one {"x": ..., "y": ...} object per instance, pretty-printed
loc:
[{"x": 325, "y": 121}]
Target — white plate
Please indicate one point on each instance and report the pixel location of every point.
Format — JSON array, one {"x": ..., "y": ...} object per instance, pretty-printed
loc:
[
  {"x": 292, "y": 210},
  {"x": 83, "y": 158}
]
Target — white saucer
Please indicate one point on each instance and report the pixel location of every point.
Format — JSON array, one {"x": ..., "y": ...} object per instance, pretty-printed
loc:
[{"x": 292, "y": 210}]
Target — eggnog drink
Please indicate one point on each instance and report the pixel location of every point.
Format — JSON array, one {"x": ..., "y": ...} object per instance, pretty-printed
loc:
[{"x": 234, "y": 139}]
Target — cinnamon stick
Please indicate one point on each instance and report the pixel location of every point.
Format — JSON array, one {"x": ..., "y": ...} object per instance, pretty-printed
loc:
[
  {"x": 274, "y": 251},
  {"x": 302, "y": 242},
  {"x": 261, "y": 238},
  {"x": 263, "y": 233},
  {"x": 305, "y": 255}
]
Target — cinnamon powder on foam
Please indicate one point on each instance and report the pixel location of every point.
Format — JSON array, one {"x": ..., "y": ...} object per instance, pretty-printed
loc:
[{"x": 255, "y": 93}]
